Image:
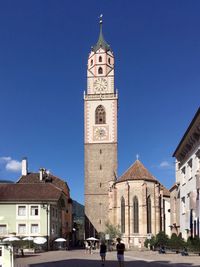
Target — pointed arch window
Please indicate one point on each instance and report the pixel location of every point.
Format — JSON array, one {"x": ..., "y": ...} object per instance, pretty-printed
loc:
[
  {"x": 109, "y": 60},
  {"x": 100, "y": 59},
  {"x": 135, "y": 215},
  {"x": 148, "y": 215},
  {"x": 122, "y": 215},
  {"x": 100, "y": 70},
  {"x": 100, "y": 115},
  {"x": 91, "y": 62}
]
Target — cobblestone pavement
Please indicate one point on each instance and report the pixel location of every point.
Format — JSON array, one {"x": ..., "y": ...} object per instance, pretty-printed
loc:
[{"x": 78, "y": 258}]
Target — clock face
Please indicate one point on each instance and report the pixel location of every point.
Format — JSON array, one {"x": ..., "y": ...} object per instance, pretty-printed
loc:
[
  {"x": 100, "y": 133},
  {"x": 100, "y": 85}
]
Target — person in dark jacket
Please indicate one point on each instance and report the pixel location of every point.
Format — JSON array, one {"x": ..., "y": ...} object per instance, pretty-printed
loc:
[
  {"x": 103, "y": 249},
  {"x": 120, "y": 252}
]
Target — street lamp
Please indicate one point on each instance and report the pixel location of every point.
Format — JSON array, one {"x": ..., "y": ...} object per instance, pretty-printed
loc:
[{"x": 46, "y": 207}]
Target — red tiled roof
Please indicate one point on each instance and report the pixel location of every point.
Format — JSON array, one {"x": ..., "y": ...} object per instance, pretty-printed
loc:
[
  {"x": 166, "y": 192},
  {"x": 137, "y": 171},
  {"x": 29, "y": 192},
  {"x": 34, "y": 178}
]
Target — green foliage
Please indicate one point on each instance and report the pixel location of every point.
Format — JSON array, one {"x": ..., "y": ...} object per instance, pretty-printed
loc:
[
  {"x": 193, "y": 243},
  {"x": 161, "y": 239},
  {"x": 176, "y": 242},
  {"x": 113, "y": 231},
  {"x": 150, "y": 242}
]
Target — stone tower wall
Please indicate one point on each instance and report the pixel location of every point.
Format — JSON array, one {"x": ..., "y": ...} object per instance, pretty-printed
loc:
[{"x": 100, "y": 169}]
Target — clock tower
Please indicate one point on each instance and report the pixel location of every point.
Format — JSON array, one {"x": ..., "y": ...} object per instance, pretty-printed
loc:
[{"x": 100, "y": 135}]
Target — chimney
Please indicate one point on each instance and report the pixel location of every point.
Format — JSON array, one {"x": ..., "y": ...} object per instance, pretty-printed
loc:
[
  {"x": 42, "y": 172},
  {"x": 24, "y": 166}
]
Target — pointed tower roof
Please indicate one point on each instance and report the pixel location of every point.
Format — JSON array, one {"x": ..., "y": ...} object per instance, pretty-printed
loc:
[
  {"x": 137, "y": 171},
  {"x": 101, "y": 43}
]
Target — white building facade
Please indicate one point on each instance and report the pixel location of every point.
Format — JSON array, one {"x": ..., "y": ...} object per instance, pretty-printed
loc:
[{"x": 187, "y": 156}]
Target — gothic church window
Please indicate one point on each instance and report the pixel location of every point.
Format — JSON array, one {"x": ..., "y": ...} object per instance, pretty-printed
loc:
[
  {"x": 100, "y": 70},
  {"x": 108, "y": 60},
  {"x": 135, "y": 215},
  {"x": 100, "y": 59},
  {"x": 122, "y": 215},
  {"x": 148, "y": 215},
  {"x": 100, "y": 115},
  {"x": 91, "y": 62}
]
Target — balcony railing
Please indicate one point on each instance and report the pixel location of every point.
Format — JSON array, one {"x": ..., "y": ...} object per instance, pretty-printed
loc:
[{"x": 100, "y": 96}]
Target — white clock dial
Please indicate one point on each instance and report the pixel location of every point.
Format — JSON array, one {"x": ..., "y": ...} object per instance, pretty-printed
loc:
[
  {"x": 100, "y": 85},
  {"x": 100, "y": 133}
]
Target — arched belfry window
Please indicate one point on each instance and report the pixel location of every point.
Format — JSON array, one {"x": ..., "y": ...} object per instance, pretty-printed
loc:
[
  {"x": 109, "y": 60},
  {"x": 122, "y": 215},
  {"x": 91, "y": 62},
  {"x": 148, "y": 215},
  {"x": 135, "y": 215},
  {"x": 100, "y": 59},
  {"x": 100, "y": 70},
  {"x": 100, "y": 115}
]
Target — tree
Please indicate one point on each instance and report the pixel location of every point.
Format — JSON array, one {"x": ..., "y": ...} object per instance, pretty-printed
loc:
[
  {"x": 113, "y": 231},
  {"x": 161, "y": 239},
  {"x": 193, "y": 243},
  {"x": 150, "y": 242},
  {"x": 176, "y": 242}
]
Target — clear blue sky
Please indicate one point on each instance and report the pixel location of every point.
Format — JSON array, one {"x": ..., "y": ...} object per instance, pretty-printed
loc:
[{"x": 43, "y": 55}]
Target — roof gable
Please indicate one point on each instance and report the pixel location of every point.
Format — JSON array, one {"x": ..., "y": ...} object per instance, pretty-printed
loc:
[{"x": 137, "y": 171}]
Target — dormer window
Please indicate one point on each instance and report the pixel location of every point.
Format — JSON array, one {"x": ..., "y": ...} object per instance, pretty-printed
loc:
[
  {"x": 100, "y": 70},
  {"x": 100, "y": 59}
]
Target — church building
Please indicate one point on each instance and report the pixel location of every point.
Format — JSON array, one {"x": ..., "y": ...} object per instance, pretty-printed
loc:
[{"x": 136, "y": 201}]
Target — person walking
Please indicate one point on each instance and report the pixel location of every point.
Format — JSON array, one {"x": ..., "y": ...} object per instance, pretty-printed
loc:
[
  {"x": 120, "y": 252},
  {"x": 103, "y": 249}
]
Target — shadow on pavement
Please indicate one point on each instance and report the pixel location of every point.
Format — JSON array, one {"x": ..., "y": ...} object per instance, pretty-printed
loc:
[{"x": 92, "y": 263}]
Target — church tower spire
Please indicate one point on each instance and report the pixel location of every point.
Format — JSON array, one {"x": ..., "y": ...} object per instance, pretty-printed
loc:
[
  {"x": 101, "y": 43},
  {"x": 100, "y": 134}
]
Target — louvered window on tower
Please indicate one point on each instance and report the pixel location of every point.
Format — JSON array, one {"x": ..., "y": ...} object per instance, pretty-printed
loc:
[
  {"x": 100, "y": 115},
  {"x": 100, "y": 59}
]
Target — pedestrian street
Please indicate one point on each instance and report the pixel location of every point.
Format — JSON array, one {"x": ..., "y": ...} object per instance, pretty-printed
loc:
[{"x": 79, "y": 258}]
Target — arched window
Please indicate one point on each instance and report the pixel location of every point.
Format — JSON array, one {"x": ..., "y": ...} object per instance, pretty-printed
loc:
[
  {"x": 122, "y": 215},
  {"x": 135, "y": 215},
  {"x": 91, "y": 62},
  {"x": 100, "y": 70},
  {"x": 109, "y": 60},
  {"x": 100, "y": 115},
  {"x": 100, "y": 59},
  {"x": 148, "y": 215}
]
